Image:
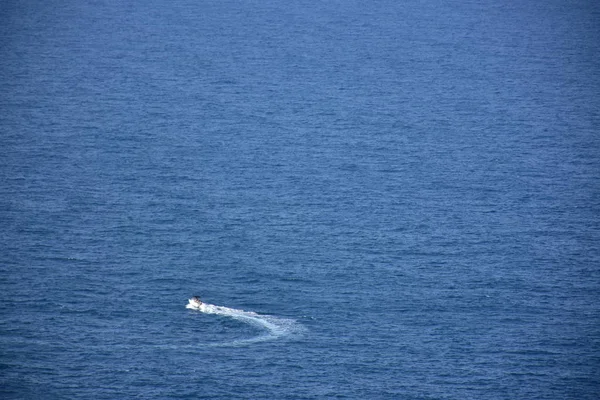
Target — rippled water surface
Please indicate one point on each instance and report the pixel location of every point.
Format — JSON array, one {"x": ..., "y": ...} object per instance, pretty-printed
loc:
[{"x": 375, "y": 200}]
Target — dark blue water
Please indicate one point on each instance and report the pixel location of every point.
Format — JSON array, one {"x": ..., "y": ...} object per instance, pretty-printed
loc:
[{"x": 388, "y": 200}]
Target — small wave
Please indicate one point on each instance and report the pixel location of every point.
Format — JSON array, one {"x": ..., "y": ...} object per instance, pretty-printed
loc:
[{"x": 274, "y": 327}]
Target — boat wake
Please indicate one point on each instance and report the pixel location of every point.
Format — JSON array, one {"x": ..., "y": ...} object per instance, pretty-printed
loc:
[{"x": 273, "y": 327}]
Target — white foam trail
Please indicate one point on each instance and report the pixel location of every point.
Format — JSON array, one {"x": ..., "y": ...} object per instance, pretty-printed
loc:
[{"x": 275, "y": 327}]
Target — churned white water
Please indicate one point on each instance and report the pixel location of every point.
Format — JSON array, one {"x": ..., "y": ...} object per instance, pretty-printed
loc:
[{"x": 273, "y": 327}]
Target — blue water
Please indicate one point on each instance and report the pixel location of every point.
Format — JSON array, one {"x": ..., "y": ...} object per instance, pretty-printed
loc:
[{"x": 376, "y": 200}]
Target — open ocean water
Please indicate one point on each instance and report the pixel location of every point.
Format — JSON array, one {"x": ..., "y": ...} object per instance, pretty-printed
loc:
[{"x": 375, "y": 199}]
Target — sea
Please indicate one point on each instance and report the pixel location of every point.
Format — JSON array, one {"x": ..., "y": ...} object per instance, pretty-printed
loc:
[{"x": 373, "y": 199}]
